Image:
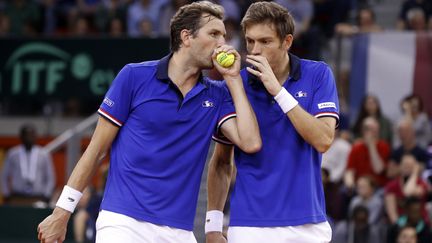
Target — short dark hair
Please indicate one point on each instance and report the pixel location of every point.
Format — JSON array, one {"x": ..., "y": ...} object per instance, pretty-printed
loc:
[
  {"x": 272, "y": 13},
  {"x": 189, "y": 17}
]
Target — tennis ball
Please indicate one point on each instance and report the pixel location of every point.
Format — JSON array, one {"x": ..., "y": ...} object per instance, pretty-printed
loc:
[{"x": 224, "y": 59}]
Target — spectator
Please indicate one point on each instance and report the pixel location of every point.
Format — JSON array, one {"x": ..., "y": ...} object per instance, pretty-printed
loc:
[
  {"x": 116, "y": 28},
  {"x": 335, "y": 159},
  {"x": 413, "y": 219},
  {"x": 367, "y": 197},
  {"x": 143, "y": 9},
  {"x": 146, "y": 28},
  {"x": 369, "y": 156},
  {"x": 365, "y": 24},
  {"x": 425, "y": 6},
  {"x": 407, "y": 234},
  {"x": 106, "y": 12},
  {"x": 370, "y": 106},
  {"x": 80, "y": 27},
  {"x": 357, "y": 229},
  {"x": 412, "y": 109},
  {"x": 28, "y": 175},
  {"x": 408, "y": 184},
  {"x": 408, "y": 145},
  {"x": 416, "y": 20}
]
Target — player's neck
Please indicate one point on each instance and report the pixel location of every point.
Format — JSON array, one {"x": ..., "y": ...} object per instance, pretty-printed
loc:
[
  {"x": 181, "y": 72},
  {"x": 282, "y": 70}
]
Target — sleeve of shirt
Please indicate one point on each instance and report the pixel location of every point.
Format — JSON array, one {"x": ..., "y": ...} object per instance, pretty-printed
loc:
[
  {"x": 325, "y": 101},
  {"x": 116, "y": 105},
  {"x": 227, "y": 111}
]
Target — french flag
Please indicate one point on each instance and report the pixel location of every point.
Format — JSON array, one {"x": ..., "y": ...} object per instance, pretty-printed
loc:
[{"x": 391, "y": 66}]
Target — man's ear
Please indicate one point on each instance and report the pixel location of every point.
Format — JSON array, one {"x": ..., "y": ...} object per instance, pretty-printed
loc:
[
  {"x": 185, "y": 36},
  {"x": 287, "y": 41}
]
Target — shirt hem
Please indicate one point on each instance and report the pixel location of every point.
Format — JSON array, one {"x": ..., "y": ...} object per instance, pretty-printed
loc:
[
  {"x": 149, "y": 218},
  {"x": 276, "y": 222}
]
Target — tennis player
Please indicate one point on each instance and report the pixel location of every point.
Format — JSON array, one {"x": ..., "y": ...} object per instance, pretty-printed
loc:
[
  {"x": 278, "y": 194},
  {"x": 158, "y": 118}
]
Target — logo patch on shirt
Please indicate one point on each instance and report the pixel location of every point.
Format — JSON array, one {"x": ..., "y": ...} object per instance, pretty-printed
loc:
[
  {"x": 108, "y": 102},
  {"x": 207, "y": 103},
  {"x": 326, "y": 105},
  {"x": 300, "y": 94}
]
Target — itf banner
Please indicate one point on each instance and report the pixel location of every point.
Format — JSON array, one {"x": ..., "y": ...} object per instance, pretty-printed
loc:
[
  {"x": 391, "y": 66},
  {"x": 42, "y": 69}
]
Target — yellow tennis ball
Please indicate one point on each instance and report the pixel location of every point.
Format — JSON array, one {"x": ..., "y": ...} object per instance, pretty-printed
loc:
[{"x": 224, "y": 59}]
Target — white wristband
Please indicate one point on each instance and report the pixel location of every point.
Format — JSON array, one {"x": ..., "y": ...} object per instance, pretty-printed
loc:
[
  {"x": 214, "y": 221},
  {"x": 69, "y": 198},
  {"x": 285, "y": 100}
]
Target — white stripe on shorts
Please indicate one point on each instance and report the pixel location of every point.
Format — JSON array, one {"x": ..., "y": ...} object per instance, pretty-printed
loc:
[
  {"x": 114, "y": 228},
  {"x": 308, "y": 233}
]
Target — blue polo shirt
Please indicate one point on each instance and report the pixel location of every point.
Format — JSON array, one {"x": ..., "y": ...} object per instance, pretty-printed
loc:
[
  {"x": 158, "y": 155},
  {"x": 281, "y": 184}
]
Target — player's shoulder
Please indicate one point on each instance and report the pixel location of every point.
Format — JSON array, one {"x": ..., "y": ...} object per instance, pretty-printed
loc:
[
  {"x": 314, "y": 65},
  {"x": 142, "y": 66}
]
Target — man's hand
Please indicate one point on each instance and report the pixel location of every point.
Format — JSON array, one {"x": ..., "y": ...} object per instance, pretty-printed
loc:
[
  {"x": 264, "y": 72},
  {"x": 215, "y": 237},
  {"x": 53, "y": 228},
  {"x": 232, "y": 71}
]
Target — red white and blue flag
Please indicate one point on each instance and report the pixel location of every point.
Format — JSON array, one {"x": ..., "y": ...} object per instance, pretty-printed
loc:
[{"x": 391, "y": 66}]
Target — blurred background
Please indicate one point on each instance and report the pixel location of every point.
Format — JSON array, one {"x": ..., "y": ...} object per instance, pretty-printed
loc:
[{"x": 58, "y": 58}]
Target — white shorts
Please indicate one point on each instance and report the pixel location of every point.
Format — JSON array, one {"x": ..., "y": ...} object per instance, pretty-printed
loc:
[
  {"x": 114, "y": 228},
  {"x": 308, "y": 233}
]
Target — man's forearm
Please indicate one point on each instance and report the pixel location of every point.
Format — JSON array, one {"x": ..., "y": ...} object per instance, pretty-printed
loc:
[
  {"x": 219, "y": 177},
  {"x": 246, "y": 123},
  {"x": 315, "y": 131}
]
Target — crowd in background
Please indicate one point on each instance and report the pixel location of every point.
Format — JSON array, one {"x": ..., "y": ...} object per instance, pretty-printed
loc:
[
  {"x": 377, "y": 175},
  {"x": 316, "y": 20}
]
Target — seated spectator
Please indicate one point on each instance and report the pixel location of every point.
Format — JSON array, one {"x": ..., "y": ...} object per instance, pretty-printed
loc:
[
  {"x": 365, "y": 23},
  {"x": 146, "y": 29},
  {"x": 407, "y": 234},
  {"x": 143, "y": 9},
  {"x": 336, "y": 157},
  {"x": 425, "y": 6},
  {"x": 108, "y": 11},
  {"x": 28, "y": 173},
  {"x": 408, "y": 184},
  {"x": 116, "y": 28},
  {"x": 409, "y": 146},
  {"x": 357, "y": 229},
  {"x": 413, "y": 110},
  {"x": 413, "y": 219},
  {"x": 367, "y": 197},
  {"x": 370, "y": 107},
  {"x": 369, "y": 156}
]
